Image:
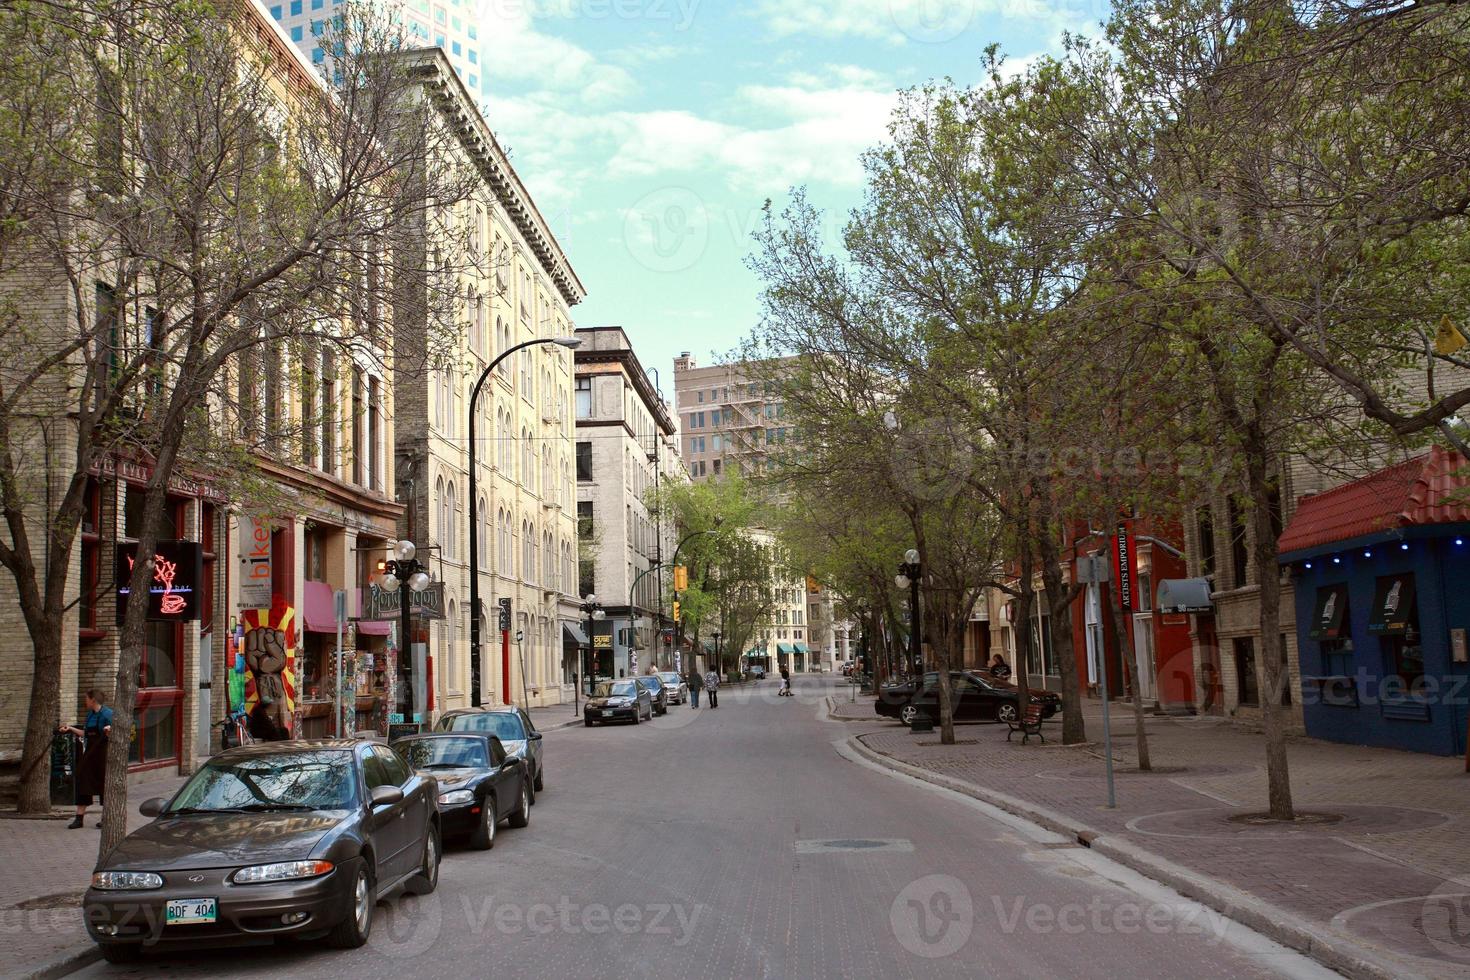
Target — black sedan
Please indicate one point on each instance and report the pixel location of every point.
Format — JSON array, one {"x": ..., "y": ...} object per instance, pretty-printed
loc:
[
  {"x": 280, "y": 839},
  {"x": 975, "y": 697},
  {"x": 657, "y": 693},
  {"x": 621, "y": 700},
  {"x": 480, "y": 784}
]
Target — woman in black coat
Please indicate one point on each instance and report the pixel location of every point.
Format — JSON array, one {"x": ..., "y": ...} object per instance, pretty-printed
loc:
[{"x": 91, "y": 767}]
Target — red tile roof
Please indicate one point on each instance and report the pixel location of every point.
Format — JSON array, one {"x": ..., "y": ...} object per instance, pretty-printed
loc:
[{"x": 1430, "y": 489}]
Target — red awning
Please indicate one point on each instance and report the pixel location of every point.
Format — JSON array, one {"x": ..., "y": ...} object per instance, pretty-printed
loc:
[
  {"x": 318, "y": 617},
  {"x": 1427, "y": 489},
  {"x": 370, "y": 627}
]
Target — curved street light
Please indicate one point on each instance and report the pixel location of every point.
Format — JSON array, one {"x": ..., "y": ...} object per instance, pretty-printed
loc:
[
  {"x": 571, "y": 343},
  {"x": 404, "y": 568}
]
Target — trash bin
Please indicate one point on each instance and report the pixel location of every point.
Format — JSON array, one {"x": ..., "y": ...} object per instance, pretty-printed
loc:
[{"x": 64, "y": 769}]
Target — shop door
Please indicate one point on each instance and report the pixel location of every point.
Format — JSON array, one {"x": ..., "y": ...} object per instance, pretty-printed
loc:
[{"x": 1143, "y": 653}]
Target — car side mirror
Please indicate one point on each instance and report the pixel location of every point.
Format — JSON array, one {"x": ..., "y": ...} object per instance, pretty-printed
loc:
[
  {"x": 386, "y": 795},
  {"x": 152, "y": 807},
  {"x": 536, "y": 736}
]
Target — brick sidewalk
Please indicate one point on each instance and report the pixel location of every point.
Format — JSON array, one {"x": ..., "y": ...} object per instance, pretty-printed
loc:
[
  {"x": 47, "y": 869},
  {"x": 1399, "y": 830}
]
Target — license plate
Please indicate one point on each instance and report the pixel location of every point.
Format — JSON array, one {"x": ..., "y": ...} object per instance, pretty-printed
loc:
[
  {"x": 182, "y": 911},
  {"x": 607, "y": 714}
]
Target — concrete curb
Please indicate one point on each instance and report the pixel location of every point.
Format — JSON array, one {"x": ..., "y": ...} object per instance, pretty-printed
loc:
[
  {"x": 832, "y": 714},
  {"x": 1337, "y": 952},
  {"x": 63, "y": 965}
]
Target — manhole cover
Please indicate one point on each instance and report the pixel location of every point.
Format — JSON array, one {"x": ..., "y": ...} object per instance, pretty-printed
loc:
[
  {"x": 1303, "y": 819},
  {"x": 852, "y": 844}
]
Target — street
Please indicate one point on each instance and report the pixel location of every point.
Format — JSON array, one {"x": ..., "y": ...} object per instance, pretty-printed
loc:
[{"x": 739, "y": 842}]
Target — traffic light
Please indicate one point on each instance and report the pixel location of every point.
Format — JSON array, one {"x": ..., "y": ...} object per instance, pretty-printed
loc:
[
  {"x": 676, "y": 610},
  {"x": 681, "y": 578}
]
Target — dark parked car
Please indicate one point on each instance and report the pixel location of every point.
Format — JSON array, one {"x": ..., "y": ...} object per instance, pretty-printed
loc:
[
  {"x": 977, "y": 697},
  {"x": 657, "y": 693},
  {"x": 513, "y": 726},
  {"x": 281, "y": 839},
  {"x": 621, "y": 700},
  {"x": 479, "y": 783}
]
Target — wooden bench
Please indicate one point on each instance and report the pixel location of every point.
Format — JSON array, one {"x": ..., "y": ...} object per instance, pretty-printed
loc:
[{"x": 1028, "y": 724}]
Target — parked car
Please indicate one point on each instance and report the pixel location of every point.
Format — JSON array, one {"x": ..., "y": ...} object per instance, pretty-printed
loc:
[
  {"x": 678, "y": 689},
  {"x": 977, "y": 697},
  {"x": 277, "y": 839},
  {"x": 621, "y": 700},
  {"x": 657, "y": 693},
  {"x": 515, "y": 729},
  {"x": 480, "y": 784}
]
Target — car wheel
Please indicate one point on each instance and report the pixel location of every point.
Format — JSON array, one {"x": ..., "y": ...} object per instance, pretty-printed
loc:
[
  {"x": 1006, "y": 712},
  {"x": 587, "y": 722},
  {"x": 908, "y": 713},
  {"x": 540, "y": 783},
  {"x": 522, "y": 815},
  {"x": 428, "y": 877},
  {"x": 121, "y": 952},
  {"x": 357, "y": 924},
  {"x": 637, "y": 715},
  {"x": 484, "y": 836}
]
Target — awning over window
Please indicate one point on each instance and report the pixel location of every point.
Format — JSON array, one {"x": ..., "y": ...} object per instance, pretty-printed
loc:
[
  {"x": 1327, "y": 615},
  {"x": 370, "y": 627},
  {"x": 572, "y": 635},
  {"x": 1185, "y": 595},
  {"x": 785, "y": 648},
  {"x": 318, "y": 616},
  {"x": 1393, "y": 604},
  {"x": 801, "y": 647}
]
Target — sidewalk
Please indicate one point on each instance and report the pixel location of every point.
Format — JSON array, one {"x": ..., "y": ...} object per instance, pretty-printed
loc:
[
  {"x": 47, "y": 870},
  {"x": 1369, "y": 888}
]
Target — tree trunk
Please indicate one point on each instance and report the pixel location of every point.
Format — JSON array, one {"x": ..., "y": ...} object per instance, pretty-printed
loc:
[
  {"x": 43, "y": 718},
  {"x": 1130, "y": 669},
  {"x": 1060, "y": 596},
  {"x": 1278, "y": 772}
]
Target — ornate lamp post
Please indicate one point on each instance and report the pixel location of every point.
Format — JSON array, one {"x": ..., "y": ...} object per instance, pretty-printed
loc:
[
  {"x": 909, "y": 571},
  {"x": 404, "y": 569},
  {"x": 592, "y": 609}
]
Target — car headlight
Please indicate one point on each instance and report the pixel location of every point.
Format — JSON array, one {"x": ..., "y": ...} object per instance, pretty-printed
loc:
[
  {"x": 117, "y": 881},
  {"x": 258, "y": 874},
  {"x": 455, "y": 797}
]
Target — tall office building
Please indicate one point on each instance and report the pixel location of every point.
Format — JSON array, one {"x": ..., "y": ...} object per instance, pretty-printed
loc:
[{"x": 456, "y": 26}]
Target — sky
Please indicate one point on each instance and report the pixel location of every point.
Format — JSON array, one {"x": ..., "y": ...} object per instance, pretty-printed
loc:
[{"x": 651, "y": 132}]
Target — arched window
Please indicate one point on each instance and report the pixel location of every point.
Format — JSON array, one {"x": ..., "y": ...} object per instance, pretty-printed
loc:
[
  {"x": 484, "y": 533},
  {"x": 547, "y": 484},
  {"x": 548, "y": 561},
  {"x": 528, "y": 461},
  {"x": 437, "y": 505},
  {"x": 528, "y": 544},
  {"x": 451, "y": 508},
  {"x": 507, "y": 556},
  {"x": 502, "y": 341},
  {"x": 448, "y": 669}
]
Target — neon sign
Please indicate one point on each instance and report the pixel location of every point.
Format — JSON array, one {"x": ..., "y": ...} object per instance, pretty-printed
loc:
[{"x": 178, "y": 567}]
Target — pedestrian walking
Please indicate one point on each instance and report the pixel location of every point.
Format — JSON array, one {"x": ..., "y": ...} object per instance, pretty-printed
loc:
[
  {"x": 785, "y": 691},
  {"x": 696, "y": 684},
  {"x": 712, "y": 685},
  {"x": 91, "y": 767}
]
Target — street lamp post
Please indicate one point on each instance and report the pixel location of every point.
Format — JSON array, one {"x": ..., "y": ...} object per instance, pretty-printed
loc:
[
  {"x": 406, "y": 571},
  {"x": 592, "y": 609},
  {"x": 475, "y": 613},
  {"x": 909, "y": 571}
]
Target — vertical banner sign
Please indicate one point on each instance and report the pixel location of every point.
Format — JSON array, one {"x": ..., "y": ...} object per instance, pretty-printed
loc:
[
  {"x": 504, "y": 619},
  {"x": 1123, "y": 551},
  {"x": 255, "y": 562}
]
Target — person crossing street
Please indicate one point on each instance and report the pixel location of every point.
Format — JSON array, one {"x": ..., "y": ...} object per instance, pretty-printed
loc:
[
  {"x": 696, "y": 684},
  {"x": 712, "y": 685}
]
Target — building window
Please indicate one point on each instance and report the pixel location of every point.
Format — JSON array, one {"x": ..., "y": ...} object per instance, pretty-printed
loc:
[
  {"x": 1239, "y": 556},
  {"x": 584, "y": 461},
  {"x": 584, "y": 398},
  {"x": 1206, "y": 529},
  {"x": 1403, "y": 657},
  {"x": 1246, "y": 684}
]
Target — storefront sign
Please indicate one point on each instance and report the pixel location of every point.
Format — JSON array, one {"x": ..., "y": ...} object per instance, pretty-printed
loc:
[
  {"x": 173, "y": 595},
  {"x": 1393, "y": 605},
  {"x": 1123, "y": 551},
  {"x": 428, "y": 604},
  {"x": 255, "y": 563},
  {"x": 1328, "y": 616},
  {"x": 602, "y": 641}
]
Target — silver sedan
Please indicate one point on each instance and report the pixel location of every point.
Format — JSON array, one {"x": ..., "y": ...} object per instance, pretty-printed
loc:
[{"x": 674, "y": 684}]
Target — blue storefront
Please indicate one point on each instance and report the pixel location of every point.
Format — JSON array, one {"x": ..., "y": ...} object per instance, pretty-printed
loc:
[{"x": 1382, "y": 574}]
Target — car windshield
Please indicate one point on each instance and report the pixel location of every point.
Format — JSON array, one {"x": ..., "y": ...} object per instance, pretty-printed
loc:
[
  {"x": 499, "y": 723},
  {"x": 616, "y": 689},
  {"x": 285, "y": 781},
  {"x": 652, "y": 683},
  {"x": 444, "y": 753},
  {"x": 669, "y": 678}
]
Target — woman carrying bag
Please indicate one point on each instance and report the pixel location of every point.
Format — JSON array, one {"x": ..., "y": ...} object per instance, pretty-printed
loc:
[{"x": 91, "y": 768}]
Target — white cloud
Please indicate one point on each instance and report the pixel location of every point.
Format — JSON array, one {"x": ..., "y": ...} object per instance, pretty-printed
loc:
[
  {"x": 516, "y": 51},
  {"x": 918, "y": 21}
]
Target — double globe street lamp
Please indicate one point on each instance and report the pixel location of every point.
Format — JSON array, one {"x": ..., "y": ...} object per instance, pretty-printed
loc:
[
  {"x": 404, "y": 569},
  {"x": 909, "y": 571},
  {"x": 593, "y": 611}
]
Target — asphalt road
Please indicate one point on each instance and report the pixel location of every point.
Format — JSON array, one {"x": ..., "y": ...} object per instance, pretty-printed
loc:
[{"x": 741, "y": 842}]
